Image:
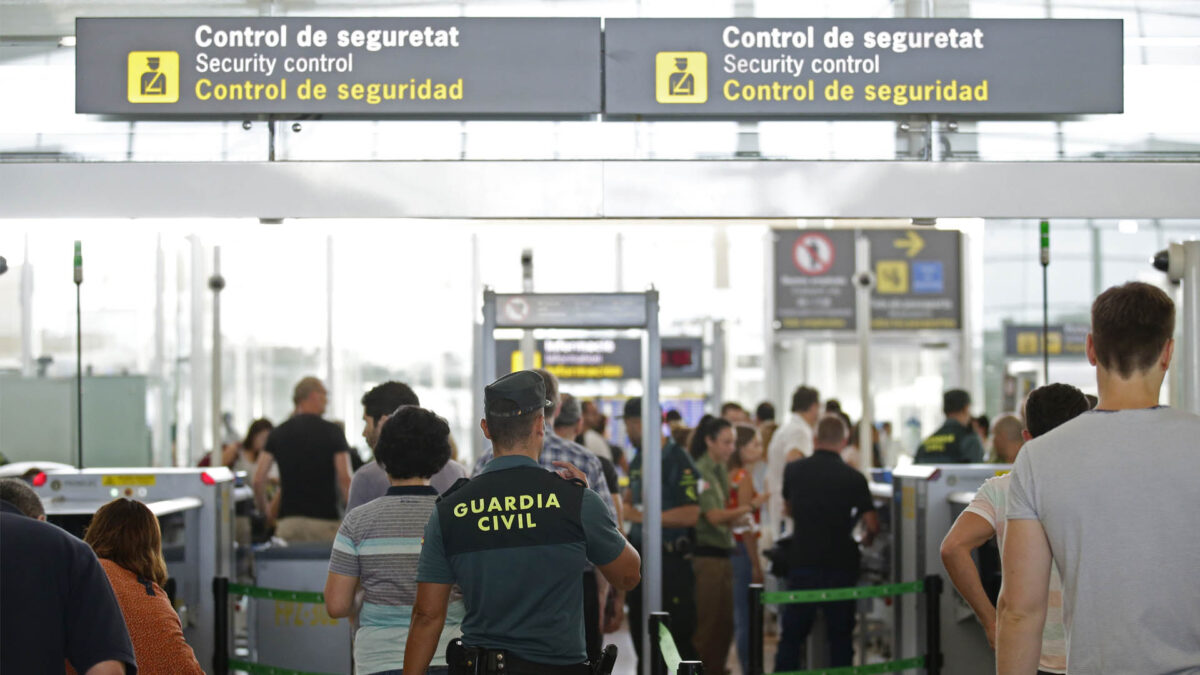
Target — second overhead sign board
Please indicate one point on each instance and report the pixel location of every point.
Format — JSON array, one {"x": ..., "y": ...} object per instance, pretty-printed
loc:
[
  {"x": 917, "y": 279},
  {"x": 551, "y": 67}
]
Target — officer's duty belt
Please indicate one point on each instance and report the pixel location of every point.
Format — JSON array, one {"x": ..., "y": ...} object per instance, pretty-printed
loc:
[
  {"x": 681, "y": 546},
  {"x": 465, "y": 660}
]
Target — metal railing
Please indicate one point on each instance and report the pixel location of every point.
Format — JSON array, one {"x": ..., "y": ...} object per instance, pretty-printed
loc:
[{"x": 930, "y": 587}]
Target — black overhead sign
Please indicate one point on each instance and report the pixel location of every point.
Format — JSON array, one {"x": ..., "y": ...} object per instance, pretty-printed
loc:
[
  {"x": 917, "y": 279},
  {"x": 1025, "y": 340},
  {"x": 603, "y": 358},
  {"x": 756, "y": 68},
  {"x": 375, "y": 67}
]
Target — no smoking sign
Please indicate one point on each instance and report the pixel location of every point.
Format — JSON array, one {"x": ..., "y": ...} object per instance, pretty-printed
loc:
[{"x": 813, "y": 254}]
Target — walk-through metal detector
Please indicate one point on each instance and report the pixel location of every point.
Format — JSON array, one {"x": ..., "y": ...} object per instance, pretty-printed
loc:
[{"x": 598, "y": 311}]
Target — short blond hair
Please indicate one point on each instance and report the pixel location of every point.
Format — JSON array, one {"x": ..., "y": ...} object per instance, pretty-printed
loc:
[{"x": 305, "y": 388}]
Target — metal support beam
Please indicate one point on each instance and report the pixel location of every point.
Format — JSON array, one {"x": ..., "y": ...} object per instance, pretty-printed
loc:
[
  {"x": 216, "y": 283},
  {"x": 1189, "y": 314},
  {"x": 864, "y": 282},
  {"x": 600, "y": 189},
  {"x": 652, "y": 470}
]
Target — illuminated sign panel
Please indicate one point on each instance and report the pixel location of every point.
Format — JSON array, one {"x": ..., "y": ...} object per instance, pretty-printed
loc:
[{"x": 375, "y": 67}]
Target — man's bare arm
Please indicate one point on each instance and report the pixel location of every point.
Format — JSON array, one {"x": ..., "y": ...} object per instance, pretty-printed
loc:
[
  {"x": 265, "y": 460},
  {"x": 428, "y": 619}
]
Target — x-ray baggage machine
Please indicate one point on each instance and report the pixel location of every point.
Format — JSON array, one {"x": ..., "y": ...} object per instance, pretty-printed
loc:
[{"x": 195, "y": 511}]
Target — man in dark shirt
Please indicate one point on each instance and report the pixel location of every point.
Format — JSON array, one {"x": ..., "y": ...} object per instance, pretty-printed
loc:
[
  {"x": 956, "y": 442},
  {"x": 824, "y": 498},
  {"x": 314, "y": 464},
  {"x": 56, "y": 604}
]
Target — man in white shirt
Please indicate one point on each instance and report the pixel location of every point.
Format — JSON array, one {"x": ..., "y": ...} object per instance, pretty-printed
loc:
[{"x": 792, "y": 441}]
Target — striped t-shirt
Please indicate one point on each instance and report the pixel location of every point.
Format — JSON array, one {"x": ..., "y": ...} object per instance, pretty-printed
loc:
[{"x": 380, "y": 543}]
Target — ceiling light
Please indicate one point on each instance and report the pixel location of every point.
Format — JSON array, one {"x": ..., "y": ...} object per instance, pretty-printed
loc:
[{"x": 66, "y": 41}]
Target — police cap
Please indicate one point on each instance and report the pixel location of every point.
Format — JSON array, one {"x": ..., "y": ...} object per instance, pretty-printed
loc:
[{"x": 525, "y": 389}]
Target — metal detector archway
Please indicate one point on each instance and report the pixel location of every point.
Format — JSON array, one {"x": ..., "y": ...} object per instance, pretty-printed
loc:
[{"x": 597, "y": 311}]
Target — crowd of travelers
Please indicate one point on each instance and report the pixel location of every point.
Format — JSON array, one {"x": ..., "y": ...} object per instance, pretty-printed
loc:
[{"x": 1098, "y": 573}]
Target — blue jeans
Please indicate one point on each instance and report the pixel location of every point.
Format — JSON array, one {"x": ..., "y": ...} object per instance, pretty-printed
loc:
[
  {"x": 742, "y": 575},
  {"x": 798, "y": 619}
]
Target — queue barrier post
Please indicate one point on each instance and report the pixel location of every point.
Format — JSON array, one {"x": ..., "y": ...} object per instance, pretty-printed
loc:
[
  {"x": 756, "y": 630},
  {"x": 690, "y": 668},
  {"x": 933, "y": 624},
  {"x": 221, "y": 626},
  {"x": 658, "y": 666}
]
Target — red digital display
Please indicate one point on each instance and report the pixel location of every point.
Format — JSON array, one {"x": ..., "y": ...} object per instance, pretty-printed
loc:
[{"x": 677, "y": 358}]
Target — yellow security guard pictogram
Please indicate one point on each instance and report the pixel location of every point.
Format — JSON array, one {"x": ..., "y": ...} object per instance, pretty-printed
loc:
[
  {"x": 891, "y": 277},
  {"x": 681, "y": 77},
  {"x": 153, "y": 77}
]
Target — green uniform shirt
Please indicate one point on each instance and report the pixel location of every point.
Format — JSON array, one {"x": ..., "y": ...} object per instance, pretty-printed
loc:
[
  {"x": 679, "y": 480},
  {"x": 714, "y": 494},
  {"x": 516, "y": 539},
  {"x": 953, "y": 443}
]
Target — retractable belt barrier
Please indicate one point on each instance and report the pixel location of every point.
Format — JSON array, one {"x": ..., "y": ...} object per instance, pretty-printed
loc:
[
  {"x": 664, "y": 654},
  {"x": 930, "y": 587},
  {"x": 222, "y": 589}
]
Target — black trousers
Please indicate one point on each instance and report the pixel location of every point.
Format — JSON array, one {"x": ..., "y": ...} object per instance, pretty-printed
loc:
[
  {"x": 592, "y": 634},
  {"x": 679, "y": 600}
]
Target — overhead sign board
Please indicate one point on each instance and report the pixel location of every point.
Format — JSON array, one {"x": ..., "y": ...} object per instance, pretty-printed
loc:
[
  {"x": 571, "y": 310},
  {"x": 1025, "y": 340},
  {"x": 917, "y": 279},
  {"x": 762, "y": 68},
  {"x": 602, "y": 358},
  {"x": 814, "y": 288},
  {"x": 375, "y": 67}
]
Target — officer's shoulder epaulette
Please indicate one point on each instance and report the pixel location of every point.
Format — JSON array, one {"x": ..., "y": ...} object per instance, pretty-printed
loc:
[
  {"x": 575, "y": 481},
  {"x": 457, "y": 484}
]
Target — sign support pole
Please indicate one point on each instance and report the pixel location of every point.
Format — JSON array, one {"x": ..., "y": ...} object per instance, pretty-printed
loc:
[
  {"x": 79, "y": 353},
  {"x": 1045, "y": 253},
  {"x": 864, "y": 281},
  {"x": 652, "y": 472}
]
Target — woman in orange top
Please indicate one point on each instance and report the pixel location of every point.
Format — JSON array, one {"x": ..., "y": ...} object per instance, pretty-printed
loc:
[
  {"x": 747, "y": 566},
  {"x": 126, "y": 537}
]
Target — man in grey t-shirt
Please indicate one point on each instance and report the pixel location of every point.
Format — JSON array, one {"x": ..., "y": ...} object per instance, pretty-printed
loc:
[
  {"x": 371, "y": 482},
  {"x": 1106, "y": 495}
]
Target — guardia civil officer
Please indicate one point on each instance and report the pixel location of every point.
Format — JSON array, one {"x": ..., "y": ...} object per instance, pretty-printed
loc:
[
  {"x": 516, "y": 540},
  {"x": 681, "y": 510},
  {"x": 955, "y": 442}
]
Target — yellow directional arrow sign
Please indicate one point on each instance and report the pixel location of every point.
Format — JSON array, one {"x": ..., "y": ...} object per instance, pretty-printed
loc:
[{"x": 913, "y": 243}]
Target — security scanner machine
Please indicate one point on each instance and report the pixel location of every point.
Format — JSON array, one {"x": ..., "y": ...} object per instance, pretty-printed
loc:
[
  {"x": 289, "y": 627},
  {"x": 195, "y": 511},
  {"x": 926, "y": 500},
  {"x": 593, "y": 312}
]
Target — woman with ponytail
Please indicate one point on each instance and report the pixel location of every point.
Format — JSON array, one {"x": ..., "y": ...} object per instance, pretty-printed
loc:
[
  {"x": 747, "y": 566},
  {"x": 712, "y": 445}
]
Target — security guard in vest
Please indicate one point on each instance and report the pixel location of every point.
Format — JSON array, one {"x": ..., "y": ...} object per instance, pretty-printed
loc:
[
  {"x": 515, "y": 539},
  {"x": 955, "y": 442},
  {"x": 681, "y": 510}
]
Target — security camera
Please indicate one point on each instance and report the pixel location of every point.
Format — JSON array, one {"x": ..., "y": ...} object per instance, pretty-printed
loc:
[
  {"x": 3, "y": 265},
  {"x": 864, "y": 280}
]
